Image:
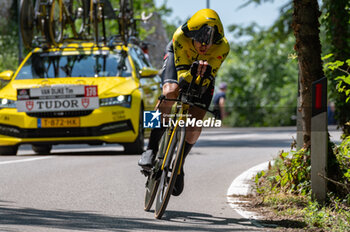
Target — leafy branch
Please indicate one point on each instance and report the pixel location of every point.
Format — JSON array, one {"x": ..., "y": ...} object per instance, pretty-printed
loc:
[{"x": 344, "y": 80}]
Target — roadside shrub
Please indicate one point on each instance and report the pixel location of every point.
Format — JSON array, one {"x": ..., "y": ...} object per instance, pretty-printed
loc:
[
  {"x": 289, "y": 177},
  {"x": 290, "y": 173},
  {"x": 342, "y": 153}
]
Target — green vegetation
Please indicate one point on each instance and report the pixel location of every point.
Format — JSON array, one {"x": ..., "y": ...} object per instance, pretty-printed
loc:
[
  {"x": 343, "y": 84},
  {"x": 285, "y": 189},
  {"x": 306, "y": 213},
  {"x": 336, "y": 23},
  {"x": 262, "y": 80},
  {"x": 256, "y": 77},
  {"x": 8, "y": 44},
  {"x": 290, "y": 173},
  {"x": 262, "y": 74},
  {"x": 9, "y": 50}
]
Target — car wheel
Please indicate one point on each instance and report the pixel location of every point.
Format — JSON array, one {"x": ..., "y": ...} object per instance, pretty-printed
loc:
[
  {"x": 8, "y": 150},
  {"x": 137, "y": 146},
  {"x": 41, "y": 149}
]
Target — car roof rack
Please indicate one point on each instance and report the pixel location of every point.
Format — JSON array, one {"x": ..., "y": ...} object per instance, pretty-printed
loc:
[
  {"x": 113, "y": 41},
  {"x": 125, "y": 37}
]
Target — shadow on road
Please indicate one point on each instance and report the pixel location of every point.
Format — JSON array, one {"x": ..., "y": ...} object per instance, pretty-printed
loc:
[
  {"x": 76, "y": 150},
  {"x": 77, "y": 153},
  {"x": 198, "y": 218},
  {"x": 202, "y": 142},
  {"x": 89, "y": 153},
  {"x": 89, "y": 221}
]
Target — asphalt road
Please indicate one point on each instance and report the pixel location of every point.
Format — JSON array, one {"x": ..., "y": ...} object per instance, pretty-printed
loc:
[{"x": 98, "y": 188}]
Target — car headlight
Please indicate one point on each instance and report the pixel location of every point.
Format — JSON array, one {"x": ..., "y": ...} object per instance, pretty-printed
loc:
[
  {"x": 122, "y": 100},
  {"x": 7, "y": 103}
]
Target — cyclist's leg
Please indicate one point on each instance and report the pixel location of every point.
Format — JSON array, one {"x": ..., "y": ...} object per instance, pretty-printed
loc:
[
  {"x": 170, "y": 90},
  {"x": 192, "y": 135}
]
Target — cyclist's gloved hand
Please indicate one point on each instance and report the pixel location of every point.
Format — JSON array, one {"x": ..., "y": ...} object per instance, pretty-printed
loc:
[
  {"x": 183, "y": 84},
  {"x": 207, "y": 72},
  {"x": 204, "y": 72},
  {"x": 197, "y": 68},
  {"x": 194, "y": 68},
  {"x": 207, "y": 76}
]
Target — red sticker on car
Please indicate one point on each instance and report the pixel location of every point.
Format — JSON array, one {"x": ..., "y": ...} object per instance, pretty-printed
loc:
[
  {"x": 29, "y": 105},
  {"x": 85, "y": 102},
  {"x": 91, "y": 91}
]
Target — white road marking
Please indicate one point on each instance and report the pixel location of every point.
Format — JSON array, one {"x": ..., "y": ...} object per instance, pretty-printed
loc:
[
  {"x": 241, "y": 187},
  {"x": 25, "y": 160}
]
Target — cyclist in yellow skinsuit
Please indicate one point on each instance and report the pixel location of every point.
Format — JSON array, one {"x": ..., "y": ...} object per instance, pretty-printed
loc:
[{"x": 197, "y": 49}]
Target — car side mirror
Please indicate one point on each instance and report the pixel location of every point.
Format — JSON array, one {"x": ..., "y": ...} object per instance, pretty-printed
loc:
[
  {"x": 6, "y": 75},
  {"x": 148, "y": 72}
]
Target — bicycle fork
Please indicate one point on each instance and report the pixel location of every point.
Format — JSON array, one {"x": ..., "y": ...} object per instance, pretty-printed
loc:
[{"x": 173, "y": 132}]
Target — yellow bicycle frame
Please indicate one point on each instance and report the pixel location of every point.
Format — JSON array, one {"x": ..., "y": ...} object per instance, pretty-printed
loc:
[{"x": 183, "y": 116}]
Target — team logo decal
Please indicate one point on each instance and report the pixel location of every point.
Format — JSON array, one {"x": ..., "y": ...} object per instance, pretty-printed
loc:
[
  {"x": 85, "y": 102},
  {"x": 29, "y": 105}
]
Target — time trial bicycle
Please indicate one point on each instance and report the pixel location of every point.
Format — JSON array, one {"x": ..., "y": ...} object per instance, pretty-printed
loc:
[{"x": 169, "y": 159}]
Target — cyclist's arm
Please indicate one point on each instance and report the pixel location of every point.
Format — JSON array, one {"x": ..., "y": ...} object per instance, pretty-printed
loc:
[
  {"x": 216, "y": 59},
  {"x": 219, "y": 55},
  {"x": 183, "y": 69},
  {"x": 182, "y": 58}
]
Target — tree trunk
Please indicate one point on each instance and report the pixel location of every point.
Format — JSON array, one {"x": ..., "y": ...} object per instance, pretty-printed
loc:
[
  {"x": 308, "y": 47},
  {"x": 158, "y": 40},
  {"x": 5, "y": 6}
]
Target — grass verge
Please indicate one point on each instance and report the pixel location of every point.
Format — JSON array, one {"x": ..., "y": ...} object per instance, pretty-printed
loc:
[{"x": 284, "y": 193}]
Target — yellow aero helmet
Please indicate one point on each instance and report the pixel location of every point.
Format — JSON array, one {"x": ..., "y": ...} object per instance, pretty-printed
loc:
[{"x": 204, "y": 26}]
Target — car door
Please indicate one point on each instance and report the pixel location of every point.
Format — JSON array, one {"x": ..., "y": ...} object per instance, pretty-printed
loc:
[{"x": 151, "y": 85}]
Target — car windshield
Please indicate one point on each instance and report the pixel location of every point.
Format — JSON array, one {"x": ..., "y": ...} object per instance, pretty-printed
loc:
[{"x": 61, "y": 65}]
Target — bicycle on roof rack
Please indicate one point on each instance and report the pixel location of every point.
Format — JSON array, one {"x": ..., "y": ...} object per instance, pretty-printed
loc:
[
  {"x": 84, "y": 18},
  {"x": 169, "y": 159},
  {"x": 127, "y": 24},
  {"x": 127, "y": 21},
  {"x": 34, "y": 20},
  {"x": 67, "y": 12},
  {"x": 55, "y": 21}
]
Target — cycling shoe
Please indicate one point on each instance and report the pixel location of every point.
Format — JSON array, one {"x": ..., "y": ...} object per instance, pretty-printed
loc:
[
  {"x": 179, "y": 184},
  {"x": 147, "y": 159}
]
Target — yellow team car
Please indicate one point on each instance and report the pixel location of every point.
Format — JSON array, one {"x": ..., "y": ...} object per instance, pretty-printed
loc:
[{"x": 77, "y": 93}]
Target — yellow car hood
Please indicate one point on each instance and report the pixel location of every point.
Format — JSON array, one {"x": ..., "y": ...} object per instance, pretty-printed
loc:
[{"x": 107, "y": 86}]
